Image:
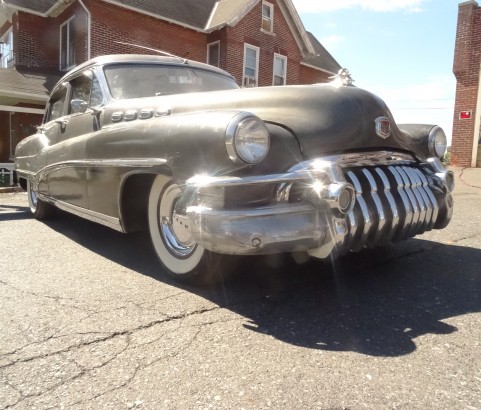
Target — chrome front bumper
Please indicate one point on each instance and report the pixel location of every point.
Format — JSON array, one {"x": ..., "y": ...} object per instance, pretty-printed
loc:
[{"x": 346, "y": 205}]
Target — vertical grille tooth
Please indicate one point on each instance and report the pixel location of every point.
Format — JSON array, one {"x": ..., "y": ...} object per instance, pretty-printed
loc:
[
  {"x": 424, "y": 211},
  {"x": 393, "y": 202},
  {"x": 431, "y": 197},
  {"x": 352, "y": 222},
  {"x": 379, "y": 218},
  {"x": 412, "y": 199},
  {"x": 362, "y": 212},
  {"x": 408, "y": 214}
]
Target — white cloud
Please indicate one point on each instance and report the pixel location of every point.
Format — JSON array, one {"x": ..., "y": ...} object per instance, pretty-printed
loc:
[{"x": 316, "y": 6}]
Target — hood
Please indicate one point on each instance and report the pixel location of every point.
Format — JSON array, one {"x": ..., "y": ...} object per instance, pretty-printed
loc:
[{"x": 325, "y": 119}]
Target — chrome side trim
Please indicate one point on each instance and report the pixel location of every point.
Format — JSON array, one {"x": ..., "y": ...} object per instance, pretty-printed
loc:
[
  {"x": 101, "y": 163},
  {"x": 99, "y": 218}
]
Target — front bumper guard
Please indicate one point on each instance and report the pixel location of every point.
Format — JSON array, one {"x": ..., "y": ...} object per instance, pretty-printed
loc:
[
  {"x": 325, "y": 218},
  {"x": 318, "y": 222}
]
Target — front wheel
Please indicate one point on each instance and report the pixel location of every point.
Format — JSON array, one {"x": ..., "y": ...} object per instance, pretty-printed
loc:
[
  {"x": 41, "y": 210},
  {"x": 178, "y": 252}
]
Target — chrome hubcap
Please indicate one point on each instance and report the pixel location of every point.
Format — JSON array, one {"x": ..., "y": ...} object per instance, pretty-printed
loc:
[
  {"x": 174, "y": 226},
  {"x": 33, "y": 197}
]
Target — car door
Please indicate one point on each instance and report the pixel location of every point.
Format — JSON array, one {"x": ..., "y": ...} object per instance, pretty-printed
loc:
[{"x": 68, "y": 166}]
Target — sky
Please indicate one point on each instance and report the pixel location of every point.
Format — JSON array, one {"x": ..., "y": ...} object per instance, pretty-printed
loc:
[{"x": 401, "y": 50}]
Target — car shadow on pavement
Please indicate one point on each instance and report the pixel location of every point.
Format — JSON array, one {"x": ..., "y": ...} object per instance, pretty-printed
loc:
[
  {"x": 375, "y": 302},
  {"x": 13, "y": 212}
]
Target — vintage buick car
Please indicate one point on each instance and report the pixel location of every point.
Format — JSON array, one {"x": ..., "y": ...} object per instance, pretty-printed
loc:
[{"x": 174, "y": 146}]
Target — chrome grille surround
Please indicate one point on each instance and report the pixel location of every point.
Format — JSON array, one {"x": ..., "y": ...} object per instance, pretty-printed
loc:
[
  {"x": 393, "y": 202},
  {"x": 397, "y": 197}
]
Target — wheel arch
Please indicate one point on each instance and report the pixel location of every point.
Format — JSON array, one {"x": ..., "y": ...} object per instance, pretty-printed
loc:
[
  {"x": 23, "y": 183},
  {"x": 134, "y": 199}
]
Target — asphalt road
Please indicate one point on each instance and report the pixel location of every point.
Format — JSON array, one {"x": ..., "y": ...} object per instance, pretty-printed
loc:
[{"x": 87, "y": 322}]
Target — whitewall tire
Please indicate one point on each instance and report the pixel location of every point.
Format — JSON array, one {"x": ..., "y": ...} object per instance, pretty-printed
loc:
[
  {"x": 180, "y": 255},
  {"x": 40, "y": 209}
]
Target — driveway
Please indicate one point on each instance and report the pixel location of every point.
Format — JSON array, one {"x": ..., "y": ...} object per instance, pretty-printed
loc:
[{"x": 88, "y": 322}]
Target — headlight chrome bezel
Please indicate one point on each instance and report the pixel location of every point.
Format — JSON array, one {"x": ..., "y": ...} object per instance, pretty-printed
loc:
[
  {"x": 237, "y": 144},
  {"x": 437, "y": 142}
]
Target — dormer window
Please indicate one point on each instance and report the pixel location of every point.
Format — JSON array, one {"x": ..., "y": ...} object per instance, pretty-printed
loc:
[{"x": 267, "y": 17}]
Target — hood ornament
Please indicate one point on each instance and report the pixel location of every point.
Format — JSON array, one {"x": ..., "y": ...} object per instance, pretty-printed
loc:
[
  {"x": 383, "y": 127},
  {"x": 343, "y": 77}
]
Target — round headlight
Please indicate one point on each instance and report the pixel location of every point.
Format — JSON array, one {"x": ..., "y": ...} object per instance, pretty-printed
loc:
[
  {"x": 247, "y": 139},
  {"x": 437, "y": 142}
]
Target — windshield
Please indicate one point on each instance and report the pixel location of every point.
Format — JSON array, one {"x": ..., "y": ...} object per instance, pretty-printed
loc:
[{"x": 148, "y": 80}]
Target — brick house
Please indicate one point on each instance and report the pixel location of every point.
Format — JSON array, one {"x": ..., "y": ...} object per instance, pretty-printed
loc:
[
  {"x": 465, "y": 149},
  {"x": 260, "y": 42}
]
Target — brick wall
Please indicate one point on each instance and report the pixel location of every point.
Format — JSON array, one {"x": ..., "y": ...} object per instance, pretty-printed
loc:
[
  {"x": 310, "y": 75},
  {"x": 38, "y": 39},
  {"x": 248, "y": 30},
  {"x": 35, "y": 41},
  {"x": 466, "y": 68},
  {"x": 112, "y": 24}
]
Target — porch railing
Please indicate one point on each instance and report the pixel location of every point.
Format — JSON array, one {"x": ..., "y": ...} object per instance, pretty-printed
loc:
[
  {"x": 6, "y": 174},
  {"x": 7, "y": 60}
]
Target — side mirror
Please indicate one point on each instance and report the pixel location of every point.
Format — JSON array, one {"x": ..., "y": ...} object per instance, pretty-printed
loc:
[{"x": 78, "y": 106}]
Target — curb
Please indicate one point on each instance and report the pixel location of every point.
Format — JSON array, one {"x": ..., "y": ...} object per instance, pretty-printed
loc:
[{"x": 10, "y": 189}]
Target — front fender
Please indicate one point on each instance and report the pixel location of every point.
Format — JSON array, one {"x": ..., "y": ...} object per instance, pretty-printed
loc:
[
  {"x": 29, "y": 157},
  {"x": 417, "y": 135},
  {"x": 189, "y": 143}
]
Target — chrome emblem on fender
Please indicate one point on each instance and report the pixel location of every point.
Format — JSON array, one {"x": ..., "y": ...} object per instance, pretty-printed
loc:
[{"x": 383, "y": 127}]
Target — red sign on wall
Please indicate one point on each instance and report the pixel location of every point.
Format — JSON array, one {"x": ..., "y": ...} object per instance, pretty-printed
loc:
[{"x": 465, "y": 115}]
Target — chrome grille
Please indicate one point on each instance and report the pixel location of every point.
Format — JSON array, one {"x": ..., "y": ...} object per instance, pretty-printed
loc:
[{"x": 392, "y": 203}]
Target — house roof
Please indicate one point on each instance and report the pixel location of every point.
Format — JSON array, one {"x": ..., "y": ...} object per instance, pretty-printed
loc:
[
  {"x": 192, "y": 13},
  {"x": 25, "y": 86},
  {"x": 41, "y": 7},
  {"x": 204, "y": 16},
  {"x": 321, "y": 59}
]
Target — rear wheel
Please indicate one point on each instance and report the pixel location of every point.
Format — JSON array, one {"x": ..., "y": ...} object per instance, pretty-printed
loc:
[
  {"x": 41, "y": 210},
  {"x": 178, "y": 252}
]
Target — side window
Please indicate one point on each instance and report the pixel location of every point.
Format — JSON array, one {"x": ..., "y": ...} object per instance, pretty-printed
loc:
[
  {"x": 251, "y": 65},
  {"x": 280, "y": 64},
  {"x": 67, "y": 44},
  {"x": 56, "y": 104},
  {"x": 86, "y": 90},
  {"x": 81, "y": 88},
  {"x": 213, "y": 51},
  {"x": 96, "y": 96},
  {"x": 267, "y": 17}
]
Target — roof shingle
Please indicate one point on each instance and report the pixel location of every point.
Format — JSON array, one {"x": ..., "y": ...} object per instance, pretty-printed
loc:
[
  {"x": 38, "y": 6},
  {"x": 322, "y": 59},
  {"x": 193, "y": 13},
  {"x": 36, "y": 84}
]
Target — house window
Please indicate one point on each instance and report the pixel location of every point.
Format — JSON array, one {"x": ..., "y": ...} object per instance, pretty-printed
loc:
[
  {"x": 267, "y": 17},
  {"x": 6, "y": 50},
  {"x": 213, "y": 54},
  {"x": 67, "y": 45},
  {"x": 280, "y": 65},
  {"x": 251, "y": 66}
]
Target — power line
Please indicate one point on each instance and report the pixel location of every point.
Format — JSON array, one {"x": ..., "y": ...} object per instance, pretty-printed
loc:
[{"x": 423, "y": 108}]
